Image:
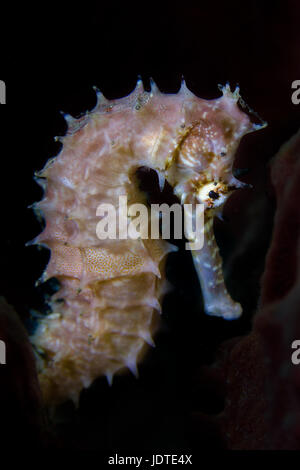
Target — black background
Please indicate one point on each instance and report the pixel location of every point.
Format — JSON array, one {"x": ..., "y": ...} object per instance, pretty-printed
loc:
[{"x": 51, "y": 56}]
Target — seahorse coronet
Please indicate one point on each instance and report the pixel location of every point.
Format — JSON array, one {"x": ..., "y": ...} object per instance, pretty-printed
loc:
[{"x": 104, "y": 315}]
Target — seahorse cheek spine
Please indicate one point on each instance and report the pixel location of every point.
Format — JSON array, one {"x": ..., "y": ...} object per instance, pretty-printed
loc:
[{"x": 104, "y": 313}]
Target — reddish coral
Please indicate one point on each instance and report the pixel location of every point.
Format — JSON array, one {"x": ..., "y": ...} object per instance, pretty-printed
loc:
[
  {"x": 20, "y": 395},
  {"x": 262, "y": 406}
]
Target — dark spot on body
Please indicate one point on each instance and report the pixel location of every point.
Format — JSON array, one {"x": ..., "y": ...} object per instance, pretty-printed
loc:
[
  {"x": 228, "y": 128},
  {"x": 90, "y": 338}
]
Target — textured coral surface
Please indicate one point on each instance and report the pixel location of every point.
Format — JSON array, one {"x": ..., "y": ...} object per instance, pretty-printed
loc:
[
  {"x": 278, "y": 320},
  {"x": 260, "y": 383}
]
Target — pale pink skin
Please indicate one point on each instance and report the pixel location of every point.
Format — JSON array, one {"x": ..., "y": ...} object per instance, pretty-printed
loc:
[{"x": 183, "y": 138}]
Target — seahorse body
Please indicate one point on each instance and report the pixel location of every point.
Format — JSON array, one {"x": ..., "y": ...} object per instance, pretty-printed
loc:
[{"x": 105, "y": 311}]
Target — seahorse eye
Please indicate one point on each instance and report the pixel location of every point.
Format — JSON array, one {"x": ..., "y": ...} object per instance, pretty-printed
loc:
[{"x": 213, "y": 195}]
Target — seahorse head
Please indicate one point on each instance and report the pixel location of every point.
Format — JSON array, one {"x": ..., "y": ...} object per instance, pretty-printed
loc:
[{"x": 207, "y": 151}]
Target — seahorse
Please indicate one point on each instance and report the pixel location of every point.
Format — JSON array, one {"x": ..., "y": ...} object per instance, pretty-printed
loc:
[{"x": 105, "y": 312}]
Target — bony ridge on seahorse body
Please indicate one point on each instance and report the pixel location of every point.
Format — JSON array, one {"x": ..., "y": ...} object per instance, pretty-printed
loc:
[{"x": 104, "y": 313}]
